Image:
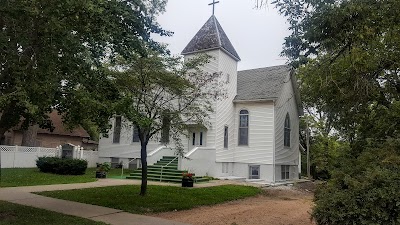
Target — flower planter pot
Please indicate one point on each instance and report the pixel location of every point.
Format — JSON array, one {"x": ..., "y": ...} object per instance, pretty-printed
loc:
[
  {"x": 101, "y": 174},
  {"x": 187, "y": 182}
]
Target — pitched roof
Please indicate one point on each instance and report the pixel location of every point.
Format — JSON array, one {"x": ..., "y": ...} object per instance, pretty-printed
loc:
[
  {"x": 261, "y": 84},
  {"x": 211, "y": 36},
  {"x": 60, "y": 129}
]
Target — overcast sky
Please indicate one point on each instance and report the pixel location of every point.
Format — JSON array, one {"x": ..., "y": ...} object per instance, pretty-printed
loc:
[{"x": 256, "y": 34}]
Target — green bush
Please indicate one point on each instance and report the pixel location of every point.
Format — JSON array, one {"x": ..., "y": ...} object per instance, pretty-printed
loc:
[
  {"x": 366, "y": 191},
  {"x": 61, "y": 166}
]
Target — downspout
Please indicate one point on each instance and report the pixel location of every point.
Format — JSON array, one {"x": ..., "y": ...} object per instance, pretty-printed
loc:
[{"x": 273, "y": 145}]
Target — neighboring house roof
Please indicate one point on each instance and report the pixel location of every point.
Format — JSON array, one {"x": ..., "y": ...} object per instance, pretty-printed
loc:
[
  {"x": 261, "y": 84},
  {"x": 60, "y": 129},
  {"x": 211, "y": 36}
]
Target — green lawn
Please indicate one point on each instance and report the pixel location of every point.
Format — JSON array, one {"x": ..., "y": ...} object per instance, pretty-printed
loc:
[
  {"x": 13, "y": 214},
  {"x": 158, "y": 199},
  {"x": 14, "y": 177}
]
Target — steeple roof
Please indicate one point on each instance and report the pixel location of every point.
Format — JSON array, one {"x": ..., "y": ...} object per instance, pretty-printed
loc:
[{"x": 211, "y": 36}]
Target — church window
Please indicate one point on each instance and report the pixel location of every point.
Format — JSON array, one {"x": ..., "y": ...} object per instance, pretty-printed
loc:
[
  {"x": 198, "y": 138},
  {"x": 285, "y": 172},
  {"x": 226, "y": 137},
  {"x": 286, "y": 132},
  {"x": 244, "y": 127},
  {"x": 165, "y": 127},
  {"x": 254, "y": 172},
  {"x": 135, "y": 137},
  {"x": 117, "y": 130},
  {"x": 227, "y": 78}
]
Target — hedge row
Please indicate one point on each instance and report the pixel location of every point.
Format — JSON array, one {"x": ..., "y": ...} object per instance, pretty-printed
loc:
[{"x": 61, "y": 166}]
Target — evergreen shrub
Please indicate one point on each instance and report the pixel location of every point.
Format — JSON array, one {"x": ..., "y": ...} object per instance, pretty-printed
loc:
[{"x": 61, "y": 166}]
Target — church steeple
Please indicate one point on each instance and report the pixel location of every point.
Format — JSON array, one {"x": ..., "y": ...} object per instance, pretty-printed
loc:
[{"x": 211, "y": 36}]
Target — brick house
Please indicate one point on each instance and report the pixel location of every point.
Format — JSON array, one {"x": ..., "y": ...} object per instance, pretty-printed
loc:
[{"x": 51, "y": 139}]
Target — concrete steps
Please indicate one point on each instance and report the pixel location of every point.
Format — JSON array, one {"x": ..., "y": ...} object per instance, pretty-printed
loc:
[{"x": 161, "y": 172}]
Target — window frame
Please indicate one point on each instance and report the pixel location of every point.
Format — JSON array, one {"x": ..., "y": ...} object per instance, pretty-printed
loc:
[
  {"x": 285, "y": 172},
  {"x": 251, "y": 176},
  {"x": 135, "y": 138},
  {"x": 225, "y": 167},
  {"x": 226, "y": 137},
  {"x": 117, "y": 130},
  {"x": 243, "y": 112},
  {"x": 286, "y": 131}
]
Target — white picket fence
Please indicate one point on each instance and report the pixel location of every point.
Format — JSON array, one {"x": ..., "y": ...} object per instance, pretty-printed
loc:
[{"x": 25, "y": 157}]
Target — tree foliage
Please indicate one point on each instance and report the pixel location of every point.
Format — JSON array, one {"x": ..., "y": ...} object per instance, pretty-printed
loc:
[
  {"x": 365, "y": 190},
  {"x": 348, "y": 57},
  {"x": 351, "y": 51},
  {"x": 162, "y": 95},
  {"x": 52, "y": 56}
]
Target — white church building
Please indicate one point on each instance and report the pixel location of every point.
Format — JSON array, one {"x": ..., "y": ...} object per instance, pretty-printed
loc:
[{"x": 254, "y": 132}]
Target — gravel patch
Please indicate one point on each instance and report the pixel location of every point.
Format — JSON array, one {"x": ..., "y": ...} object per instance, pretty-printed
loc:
[{"x": 281, "y": 205}]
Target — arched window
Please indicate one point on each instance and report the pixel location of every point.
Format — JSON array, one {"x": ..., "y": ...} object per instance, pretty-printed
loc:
[
  {"x": 286, "y": 131},
  {"x": 117, "y": 130},
  {"x": 243, "y": 127}
]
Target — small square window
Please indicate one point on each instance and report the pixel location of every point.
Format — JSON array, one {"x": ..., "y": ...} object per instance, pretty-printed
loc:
[
  {"x": 285, "y": 172},
  {"x": 254, "y": 172},
  {"x": 225, "y": 167}
]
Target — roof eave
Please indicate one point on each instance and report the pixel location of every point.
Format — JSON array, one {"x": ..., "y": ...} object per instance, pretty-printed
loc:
[
  {"x": 297, "y": 93},
  {"x": 210, "y": 49},
  {"x": 255, "y": 100}
]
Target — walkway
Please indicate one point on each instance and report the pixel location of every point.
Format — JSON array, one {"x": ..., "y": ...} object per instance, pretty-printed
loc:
[{"x": 24, "y": 196}]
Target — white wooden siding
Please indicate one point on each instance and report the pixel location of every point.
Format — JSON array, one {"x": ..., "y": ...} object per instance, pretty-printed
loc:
[
  {"x": 125, "y": 148},
  {"x": 286, "y": 103},
  {"x": 261, "y": 133},
  {"x": 211, "y": 67},
  {"x": 225, "y": 115}
]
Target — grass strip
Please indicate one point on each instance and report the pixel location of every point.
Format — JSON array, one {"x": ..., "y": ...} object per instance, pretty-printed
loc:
[
  {"x": 158, "y": 198},
  {"x": 14, "y": 214},
  {"x": 15, "y": 177}
]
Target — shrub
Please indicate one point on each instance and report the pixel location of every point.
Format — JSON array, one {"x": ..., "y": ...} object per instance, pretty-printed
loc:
[
  {"x": 103, "y": 167},
  {"x": 61, "y": 166},
  {"x": 367, "y": 191}
]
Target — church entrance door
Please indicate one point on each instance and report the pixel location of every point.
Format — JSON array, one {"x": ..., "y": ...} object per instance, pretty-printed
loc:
[{"x": 197, "y": 138}]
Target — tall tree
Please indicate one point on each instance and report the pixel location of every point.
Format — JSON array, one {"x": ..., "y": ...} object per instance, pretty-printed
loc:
[
  {"x": 348, "y": 59},
  {"x": 162, "y": 95},
  {"x": 351, "y": 51},
  {"x": 52, "y": 55}
]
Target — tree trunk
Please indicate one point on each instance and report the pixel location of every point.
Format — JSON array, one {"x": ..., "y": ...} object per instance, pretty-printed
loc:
[
  {"x": 2, "y": 133},
  {"x": 29, "y": 136},
  {"x": 143, "y": 158}
]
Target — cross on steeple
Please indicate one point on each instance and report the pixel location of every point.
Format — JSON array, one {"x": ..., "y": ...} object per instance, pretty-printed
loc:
[{"x": 213, "y": 4}]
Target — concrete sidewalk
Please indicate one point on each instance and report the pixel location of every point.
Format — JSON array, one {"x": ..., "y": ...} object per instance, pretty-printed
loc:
[{"x": 24, "y": 196}]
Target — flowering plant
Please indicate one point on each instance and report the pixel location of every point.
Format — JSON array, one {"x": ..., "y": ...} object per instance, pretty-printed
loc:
[{"x": 187, "y": 175}]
